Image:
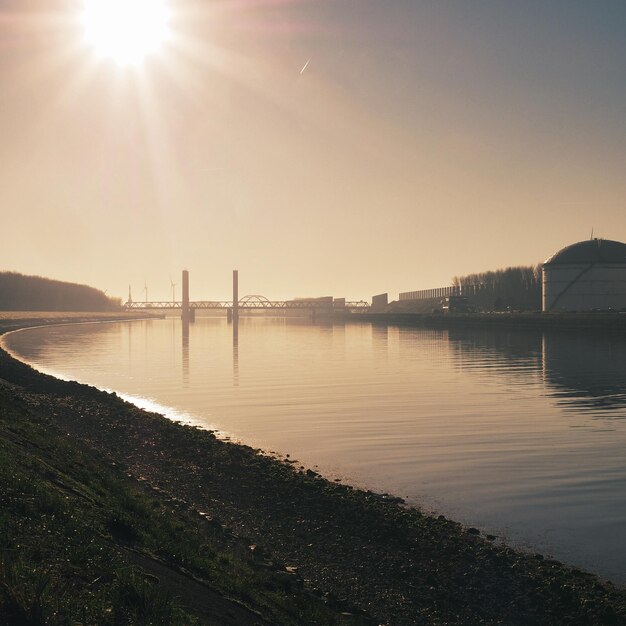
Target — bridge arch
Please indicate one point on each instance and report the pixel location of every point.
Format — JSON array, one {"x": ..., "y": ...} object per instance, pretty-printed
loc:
[{"x": 255, "y": 301}]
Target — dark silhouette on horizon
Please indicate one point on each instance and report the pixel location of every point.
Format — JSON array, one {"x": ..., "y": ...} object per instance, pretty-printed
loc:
[{"x": 19, "y": 292}]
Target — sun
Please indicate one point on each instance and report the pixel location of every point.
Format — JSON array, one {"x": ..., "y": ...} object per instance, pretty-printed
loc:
[{"x": 126, "y": 30}]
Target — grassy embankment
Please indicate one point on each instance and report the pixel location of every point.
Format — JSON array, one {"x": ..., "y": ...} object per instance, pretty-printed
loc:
[
  {"x": 100, "y": 523},
  {"x": 81, "y": 541}
]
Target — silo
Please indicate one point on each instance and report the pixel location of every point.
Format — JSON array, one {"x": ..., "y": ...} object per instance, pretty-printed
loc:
[{"x": 586, "y": 276}]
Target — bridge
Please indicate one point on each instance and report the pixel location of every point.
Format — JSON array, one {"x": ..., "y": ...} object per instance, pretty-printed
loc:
[
  {"x": 247, "y": 303},
  {"x": 253, "y": 303}
]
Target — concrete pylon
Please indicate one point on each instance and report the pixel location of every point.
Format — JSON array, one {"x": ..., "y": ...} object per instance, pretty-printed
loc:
[
  {"x": 188, "y": 314},
  {"x": 235, "y": 298}
]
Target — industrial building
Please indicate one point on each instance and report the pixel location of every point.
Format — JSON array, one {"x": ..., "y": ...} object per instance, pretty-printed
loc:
[{"x": 586, "y": 276}]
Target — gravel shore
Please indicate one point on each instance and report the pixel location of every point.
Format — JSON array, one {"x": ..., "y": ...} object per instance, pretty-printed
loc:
[{"x": 393, "y": 564}]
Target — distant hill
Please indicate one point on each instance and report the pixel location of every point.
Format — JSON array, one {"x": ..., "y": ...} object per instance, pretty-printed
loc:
[{"x": 34, "y": 293}]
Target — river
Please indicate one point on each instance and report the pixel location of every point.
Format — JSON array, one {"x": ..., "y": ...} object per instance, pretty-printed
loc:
[{"x": 522, "y": 434}]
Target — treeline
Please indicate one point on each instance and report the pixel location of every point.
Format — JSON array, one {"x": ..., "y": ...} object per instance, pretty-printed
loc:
[
  {"x": 516, "y": 288},
  {"x": 34, "y": 293}
]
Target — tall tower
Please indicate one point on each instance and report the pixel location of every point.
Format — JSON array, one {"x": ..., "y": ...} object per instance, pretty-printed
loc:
[
  {"x": 235, "y": 298},
  {"x": 186, "y": 312}
]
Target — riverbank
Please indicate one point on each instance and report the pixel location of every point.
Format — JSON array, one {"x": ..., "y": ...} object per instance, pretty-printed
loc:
[
  {"x": 610, "y": 322},
  {"x": 381, "y": 561},
  {"x": 14, "y": 320}
]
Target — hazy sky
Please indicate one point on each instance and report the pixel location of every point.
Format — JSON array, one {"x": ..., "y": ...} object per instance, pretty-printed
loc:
[{"x": 424, "y": 139}]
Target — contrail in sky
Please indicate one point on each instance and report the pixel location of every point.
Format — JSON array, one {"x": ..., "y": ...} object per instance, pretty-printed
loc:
[{"x": 305, "y": 65}]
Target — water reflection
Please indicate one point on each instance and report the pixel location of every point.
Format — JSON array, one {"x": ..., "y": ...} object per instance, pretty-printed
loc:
[
  {"x": 236, "y": 355},
  {"x": 477, "y": 349},
  {"x": 579, "y": 373},
  {"x": 380, "y": 339},
  {"x": 586, "y": 372},
  {"x": 185, "y": 346},
  {"x": 583, "y": 372},
  {"x": 325, "y": 330}
]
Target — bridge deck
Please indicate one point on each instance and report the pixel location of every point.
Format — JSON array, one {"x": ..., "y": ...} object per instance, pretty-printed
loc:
[{"x": 250, "y": 305}]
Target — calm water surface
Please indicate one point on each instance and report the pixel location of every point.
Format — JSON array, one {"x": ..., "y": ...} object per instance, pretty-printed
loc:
[{"x": 522, "y": 434}]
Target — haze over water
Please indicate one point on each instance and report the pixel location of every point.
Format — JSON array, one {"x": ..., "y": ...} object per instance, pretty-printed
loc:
[
  {"x": 448, "y": 137},
  {"x": 519, "y": 433}
]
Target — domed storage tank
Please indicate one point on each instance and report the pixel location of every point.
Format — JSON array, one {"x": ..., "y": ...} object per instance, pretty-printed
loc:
[{"x": 589, "y": 275}]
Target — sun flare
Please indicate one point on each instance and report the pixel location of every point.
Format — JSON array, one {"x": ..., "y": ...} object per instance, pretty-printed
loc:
[{"x": 126, "y": 30}]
